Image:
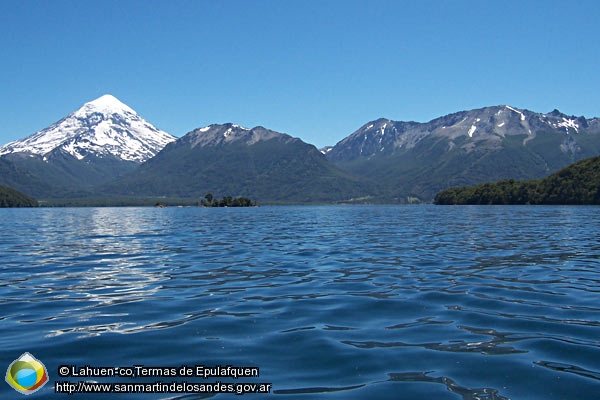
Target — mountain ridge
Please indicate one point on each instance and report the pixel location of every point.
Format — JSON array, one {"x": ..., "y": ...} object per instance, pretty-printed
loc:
[
  {"x": 475, "y": 123},
  {"x": 413, "y": 159},
  {"x": 230, "y": 160}
]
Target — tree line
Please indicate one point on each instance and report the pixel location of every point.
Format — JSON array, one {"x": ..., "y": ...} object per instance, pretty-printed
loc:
[
  {"x": 226, "y": 201},
  {"x": 577, "y": 184},
  {"x": 12, "y": 198}
]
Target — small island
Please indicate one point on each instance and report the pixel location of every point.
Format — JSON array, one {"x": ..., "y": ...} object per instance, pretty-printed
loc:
[
  {"x": 226, "y": 201},
  {"x": 10, "y": 197},
  {"x": 577, "y": 184}
]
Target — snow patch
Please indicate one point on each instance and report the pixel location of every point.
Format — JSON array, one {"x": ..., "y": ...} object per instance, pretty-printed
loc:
[
  {"x": 472, "y": 130},
  {"x": 569, "y": 123},
  {"x": 382, "y": 130},
  {"x": 500, "y": 125},
  {"x": 517, "y": 111}
]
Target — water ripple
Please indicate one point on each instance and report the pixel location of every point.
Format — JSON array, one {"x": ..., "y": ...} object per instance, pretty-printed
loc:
[
  {"x": 327, "y": 301},
  {"x": 452, "y": 386}
]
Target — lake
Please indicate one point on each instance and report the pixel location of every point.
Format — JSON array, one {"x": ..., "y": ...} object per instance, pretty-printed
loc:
[{"x": 335, "y": 302}]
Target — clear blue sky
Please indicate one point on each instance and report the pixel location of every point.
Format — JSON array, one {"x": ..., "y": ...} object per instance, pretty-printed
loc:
[{"x": 317, "y": 70}]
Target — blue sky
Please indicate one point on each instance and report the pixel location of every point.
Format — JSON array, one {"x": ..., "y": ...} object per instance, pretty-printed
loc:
[{"x": 317, "y": 70}]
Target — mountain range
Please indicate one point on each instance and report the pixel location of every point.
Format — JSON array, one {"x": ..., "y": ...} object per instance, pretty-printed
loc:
[
  {"x": 465, "y": 148},
  {"x": 106, "y": 150}
]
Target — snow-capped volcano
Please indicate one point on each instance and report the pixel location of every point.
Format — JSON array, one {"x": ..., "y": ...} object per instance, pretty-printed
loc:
[{"x": 103, "y": 127}]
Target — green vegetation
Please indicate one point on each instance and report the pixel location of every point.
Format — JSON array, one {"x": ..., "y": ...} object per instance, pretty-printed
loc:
[
  {"x": 59, "y": 178},
  {"x": 272, "y": 171},
  {"x": 576, "y": 184},
  {"x": 227, "y": 201},
  {"x": 436, "y": 163},
  {"x": 11, "y": 198}
]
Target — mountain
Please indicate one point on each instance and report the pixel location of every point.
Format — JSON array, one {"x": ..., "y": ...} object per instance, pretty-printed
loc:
[
  {"x": 97, "y": 143},
  {"x": 104, "y": 127},
  {"x": 579, "y": 184},
  {"x": 230, "y": 160},
  {"x": 12, "y": 175},
  {"x": 465, "y": 148}
]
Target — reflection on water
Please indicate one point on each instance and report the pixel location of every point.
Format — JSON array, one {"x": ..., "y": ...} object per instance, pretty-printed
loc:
[
  {"x": 465, "y": 393},
  {"x": 570, "y": 369},
  {"x": 344, "y": 302},
  {"x": 496, "y": 345}
]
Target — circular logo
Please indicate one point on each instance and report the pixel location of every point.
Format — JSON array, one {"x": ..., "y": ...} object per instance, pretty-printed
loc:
[{"x": 26, "y": 374}]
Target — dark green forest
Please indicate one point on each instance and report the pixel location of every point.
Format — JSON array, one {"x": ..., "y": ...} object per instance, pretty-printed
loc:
[
  {"x": 272, "y": 171},
  {"x": 226, "y": 201},
  {"x": 577, "y": 184},
  {"x": 12, "y": 198}
]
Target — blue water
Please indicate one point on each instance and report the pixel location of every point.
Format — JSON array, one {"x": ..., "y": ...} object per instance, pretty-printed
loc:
[{"x": 396, "y": 302}]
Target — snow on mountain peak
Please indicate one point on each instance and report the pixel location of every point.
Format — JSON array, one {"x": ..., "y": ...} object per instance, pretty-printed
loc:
[
  {"x": 102, "y": 127},
  {"x": 218, "y": 134},
  {"x": 106, "y": 104}
]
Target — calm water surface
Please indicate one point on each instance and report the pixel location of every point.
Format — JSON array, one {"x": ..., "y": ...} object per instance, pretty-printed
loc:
[{"x": 393, "y": 302}]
